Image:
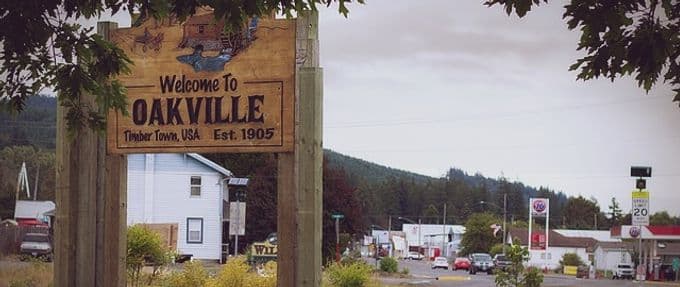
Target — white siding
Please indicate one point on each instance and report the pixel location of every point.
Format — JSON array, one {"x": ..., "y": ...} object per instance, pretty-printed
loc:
[
  {"x": 554, "y": 255},
  {"x": 165, "y": 179},
  {"x": 608, "y": 259}
]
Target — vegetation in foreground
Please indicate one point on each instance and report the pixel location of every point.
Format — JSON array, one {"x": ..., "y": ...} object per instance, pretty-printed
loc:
[
  {"x": 516, "y": 275},
  {"x": 32, "y": 274}
]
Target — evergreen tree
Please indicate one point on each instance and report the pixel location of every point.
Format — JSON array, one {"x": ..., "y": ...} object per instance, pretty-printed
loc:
[{"x": 614, "y": 213}]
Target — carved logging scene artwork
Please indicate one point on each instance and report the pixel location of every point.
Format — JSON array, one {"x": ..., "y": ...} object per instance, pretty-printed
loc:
[{"x": 196, "y": 88}]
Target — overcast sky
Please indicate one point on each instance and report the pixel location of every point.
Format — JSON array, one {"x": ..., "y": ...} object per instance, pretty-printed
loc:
[
  {"x": 428, "y": 85},
  {"x": 425, "y": 86}
]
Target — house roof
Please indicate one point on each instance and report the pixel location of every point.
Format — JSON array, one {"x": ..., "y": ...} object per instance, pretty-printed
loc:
[
  {"x": 599, "y": 235},
  {"x": 211, "y": 164},
  {"x": 554, "y": 239},
  {"x": 32, "y": 209}
]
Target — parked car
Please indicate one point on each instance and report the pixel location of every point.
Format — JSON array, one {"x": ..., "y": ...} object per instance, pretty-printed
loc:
[
  {"x": 481, "y": 262},
  {"x": 440, "y": 262},
  {"x": 461, "y": 263},
  {"x": 413, "y": 255},
  {"x": 37, "y": 245},
  {"x": 501, "y": 262},
  {"x": 624, "y": 271}
]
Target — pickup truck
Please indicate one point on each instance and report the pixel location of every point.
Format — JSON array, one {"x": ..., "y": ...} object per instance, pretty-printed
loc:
[
  {"x": 37, "y": 245},
  {"x": 501, "y": 261}
]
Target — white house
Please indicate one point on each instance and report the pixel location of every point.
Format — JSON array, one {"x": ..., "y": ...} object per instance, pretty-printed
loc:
[
  {"x": 558, "y": 245},
  {"x": 183, "y": 189},
  {"x": 610, "y": 254},
  {"x": 429, "y": 236}
]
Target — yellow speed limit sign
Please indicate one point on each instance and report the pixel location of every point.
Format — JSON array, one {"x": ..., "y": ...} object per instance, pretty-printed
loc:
[{"x": 640, "y": 208}]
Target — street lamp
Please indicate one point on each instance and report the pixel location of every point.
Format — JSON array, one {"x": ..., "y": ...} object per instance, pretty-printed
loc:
[
  {"x": 505, "y": 214},
  {"x": 419, "y": 227}
]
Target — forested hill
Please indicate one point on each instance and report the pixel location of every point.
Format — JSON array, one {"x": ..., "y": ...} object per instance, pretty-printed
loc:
[
  {"x": 385, "y": 191},
  {"x": 35, "y": 126},
  {"x": 361, "y": 170}
]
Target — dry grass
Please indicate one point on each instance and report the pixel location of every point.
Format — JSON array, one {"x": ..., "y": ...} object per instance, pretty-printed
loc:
[{"x": 14, "y": 273}]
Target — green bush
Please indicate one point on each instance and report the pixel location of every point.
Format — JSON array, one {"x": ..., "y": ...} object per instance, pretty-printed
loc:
[
  {"x": 389, "y": 265},
  {"x": 145, "y": 247},
  {"x": 237, "y": 273},
  {"x": 357, "y": 274},
  {"x": 496, "y": 249},
  {"x": 193, "y": 275},
  {"x": 533, "y": 277},
  {"x": 570, "y": 259}
]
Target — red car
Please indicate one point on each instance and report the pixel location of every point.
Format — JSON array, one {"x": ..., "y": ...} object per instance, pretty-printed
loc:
[{"x": 461, "y": 263}]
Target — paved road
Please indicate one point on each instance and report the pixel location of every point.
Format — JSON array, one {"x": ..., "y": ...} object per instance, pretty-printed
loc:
[{"x": 423, "y": 275}]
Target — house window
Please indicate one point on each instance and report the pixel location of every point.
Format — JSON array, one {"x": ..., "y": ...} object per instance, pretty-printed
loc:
[
  {"x": 201, "y": 28},
  {"x": 194, "y": 230},
  {"x": 195, "y": 186}
]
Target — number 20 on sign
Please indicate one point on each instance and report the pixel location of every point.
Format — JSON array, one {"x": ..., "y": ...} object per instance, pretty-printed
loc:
[{"x": 640, "y": 208}]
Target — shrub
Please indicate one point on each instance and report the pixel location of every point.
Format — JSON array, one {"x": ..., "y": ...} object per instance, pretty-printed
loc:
[
  {"x": 533, "y": 277},
  {"x": 351, "y": 275},
  {"x": 570, "y": 259},
  {"x": 236, "y": 273},
  {"x": 193, "y": 275},
  {"x": 144, "y": 246},
  {"x": 389, "y": 265},
  {"x": 496, "y": 249},
  {"x": 405, "y": 271}
]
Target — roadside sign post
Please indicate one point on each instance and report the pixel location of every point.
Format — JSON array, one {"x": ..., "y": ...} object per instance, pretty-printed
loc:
[
  {"x": 337, "y": 218},
  {"x": 640, "y": 211},
  {"x": 640, "y": 199},
  {"x": 676, "y": 267}
]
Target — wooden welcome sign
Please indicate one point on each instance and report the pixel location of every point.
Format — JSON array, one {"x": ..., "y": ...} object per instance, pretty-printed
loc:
[{"x": 194, "y": 88}]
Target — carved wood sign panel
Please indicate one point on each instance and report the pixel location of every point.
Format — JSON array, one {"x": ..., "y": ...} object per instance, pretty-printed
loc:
[{"x": 194, "y": 88}]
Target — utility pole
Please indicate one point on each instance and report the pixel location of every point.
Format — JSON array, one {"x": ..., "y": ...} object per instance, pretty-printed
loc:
[
  {"x": 389, "y": 234},
  {"x": 505, "y": 215},
  {"x": 238, "y": 226},
  {"x": 444, "y": 231},
  {"x": 420, "y": 244},
  {"x": 337, "y": 239}
]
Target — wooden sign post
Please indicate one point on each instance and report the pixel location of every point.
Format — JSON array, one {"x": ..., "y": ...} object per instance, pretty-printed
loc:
[
  {"x": 91, "y": 186},
  {"x": 300, "y": 188},
  {"x": 194, "y": 88}
]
